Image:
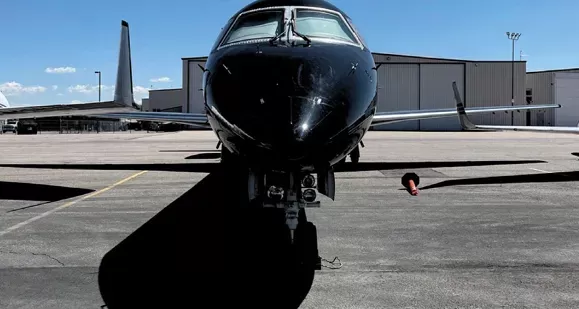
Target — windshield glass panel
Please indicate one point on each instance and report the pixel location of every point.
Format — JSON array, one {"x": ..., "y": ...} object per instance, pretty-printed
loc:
[
  {"x": 312, "y": 23},
  {"x": 257, "y": 25},
  {"x": 222, "y": 33},
  {"x": 356, "y": 31}
]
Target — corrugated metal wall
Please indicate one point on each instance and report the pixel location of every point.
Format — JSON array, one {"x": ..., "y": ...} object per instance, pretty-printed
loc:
[
  {"x": 193, "y": 78},
  {"x": 414, "y": 86},
  {"x": 542, "y": 93},
  {"x": 566, "y": 93},
  {"x": 486, "y": 84},
  {"x": 160, "y": 100},
  {"x": 541, "y": 84},
  {"x": 145, "y": 104},
  {"x": 436, "y": 92},
  {"x": 489, "y": 84},
  {"x": 398, "y": 89}
]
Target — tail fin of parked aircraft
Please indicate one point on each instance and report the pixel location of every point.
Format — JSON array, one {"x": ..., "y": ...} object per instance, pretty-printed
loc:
[
  {"x": 124, "y": 83},
  {"x": 123, "y": 105}
]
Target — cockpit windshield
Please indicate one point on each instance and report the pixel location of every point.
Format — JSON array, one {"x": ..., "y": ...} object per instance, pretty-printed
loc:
[
  {"x": 264, "y": 24},
  {"x": 322, "y": 24},
  {"x": 353, "y": 26}
]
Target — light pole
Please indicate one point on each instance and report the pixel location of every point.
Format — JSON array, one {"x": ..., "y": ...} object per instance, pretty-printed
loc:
[
  {"x": 98, "y": 122},
  {"x": 99, "y": 73},
  {"x": 513, "y": 36}
]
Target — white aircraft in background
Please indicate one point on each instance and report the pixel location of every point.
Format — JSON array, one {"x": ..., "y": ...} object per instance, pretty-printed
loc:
[
  {"x": 3, "y": 101},
  {"x": 3, "y": 104}
]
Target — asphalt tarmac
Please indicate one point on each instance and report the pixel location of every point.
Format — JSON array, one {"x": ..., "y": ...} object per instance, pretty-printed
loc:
[{"x": 495, "y": 236}]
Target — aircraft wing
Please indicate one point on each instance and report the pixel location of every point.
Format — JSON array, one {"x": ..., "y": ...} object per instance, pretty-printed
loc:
[
  {"x": 397, "y": 116},
  {"x": 109, "y": 109},
  {"x": 56, "y": 110},
  {"x": 469, "y": 126},
  {"x": 182, "y": 118},
  {"x": 122, "y": 106}
]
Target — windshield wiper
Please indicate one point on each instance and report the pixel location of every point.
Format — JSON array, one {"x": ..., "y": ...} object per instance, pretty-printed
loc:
[
  {"x": 294, "y": 31},
  {"x": 277, "y": 37}
]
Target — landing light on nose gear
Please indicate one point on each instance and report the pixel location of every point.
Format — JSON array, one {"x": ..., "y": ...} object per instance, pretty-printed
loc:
[
  {"x": 298, "y": 200},
  {"x": 288, "y": 195},
  {"x": 309, "y": 181},
  {"x": 309, "y": 195}
]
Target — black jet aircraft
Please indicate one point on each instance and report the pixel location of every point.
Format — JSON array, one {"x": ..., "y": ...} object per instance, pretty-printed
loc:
[{"x": 290, "y": 89}]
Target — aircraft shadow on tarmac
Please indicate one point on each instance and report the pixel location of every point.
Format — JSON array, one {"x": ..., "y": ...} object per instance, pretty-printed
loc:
[
  {"x": 191, "y": 150},
  {"x": 204, "y": 155},
  {"x": 37, "y": 192},
  {"x": 527, "y": 178},
  {"x": 208, "y": 167},
  {"x": 204, "y": 250}
]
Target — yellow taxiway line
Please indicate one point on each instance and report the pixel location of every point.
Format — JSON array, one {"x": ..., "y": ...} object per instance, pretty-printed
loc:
[{"x": 42, "y": 215}]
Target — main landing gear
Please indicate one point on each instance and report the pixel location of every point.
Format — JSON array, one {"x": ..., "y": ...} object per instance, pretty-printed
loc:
[{"x": 354, "y": 155}]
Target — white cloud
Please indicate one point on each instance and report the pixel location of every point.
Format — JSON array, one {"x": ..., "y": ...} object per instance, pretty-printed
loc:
[
  {"x": 14, "y": 88},
  {"x": 59, "y": 94},
  {"x": 60, "y": 70},
  {"x": 161, "y": 80},
  {"x": 54, "y": 87},
  {"x": 75, "y": 101},
  {"x": 88, "y": 88},
  {"x": 140, "y": 90}
]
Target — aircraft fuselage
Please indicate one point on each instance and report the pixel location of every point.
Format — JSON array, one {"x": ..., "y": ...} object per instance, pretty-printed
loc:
[{"x": 289, "y": 104}]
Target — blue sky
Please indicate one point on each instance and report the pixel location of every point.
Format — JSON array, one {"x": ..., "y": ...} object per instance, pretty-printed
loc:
[{"x": 83, "y": 36}]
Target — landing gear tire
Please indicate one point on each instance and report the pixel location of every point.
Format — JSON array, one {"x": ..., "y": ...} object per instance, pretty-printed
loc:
[
  {"x": 281, "y": 273},
  {"x": 355, "y": 155},
  {"x": 236, "y": 175}
]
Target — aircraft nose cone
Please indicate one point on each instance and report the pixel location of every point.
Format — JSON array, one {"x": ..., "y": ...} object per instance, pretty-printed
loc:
[
  {"x": 308, "y": 113},
  {"x": 284, "y": 100},
  {"x": 289, "y": 103}
]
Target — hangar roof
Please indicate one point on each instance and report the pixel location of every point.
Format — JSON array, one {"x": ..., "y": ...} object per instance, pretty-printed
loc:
[
  {"x": 203, "y": 58},
  {"x": 556, "y": 70}
]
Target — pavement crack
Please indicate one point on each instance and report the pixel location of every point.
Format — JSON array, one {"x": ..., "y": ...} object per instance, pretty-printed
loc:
[{"x": 35, "y": 254}]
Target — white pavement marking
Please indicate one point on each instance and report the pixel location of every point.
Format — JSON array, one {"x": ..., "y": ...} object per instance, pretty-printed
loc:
[
  {"x": 42, "y": 215},
  {"x": 538, "y": 170}
]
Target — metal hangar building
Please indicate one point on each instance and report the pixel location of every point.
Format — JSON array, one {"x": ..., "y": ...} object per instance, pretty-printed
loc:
[
  {"x": 557, "y": 87},
  {"x": 404, "y": 83}
]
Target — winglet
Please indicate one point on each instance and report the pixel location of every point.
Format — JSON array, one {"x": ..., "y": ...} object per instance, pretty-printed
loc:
[
  {"x": 124, "y": 84},
  {"x": 465, "y": 123}
]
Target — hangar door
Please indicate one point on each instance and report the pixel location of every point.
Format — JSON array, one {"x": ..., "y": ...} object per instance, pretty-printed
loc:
[
  {"x": 436, "y": 92},
  {"x": 419, "y": 86},
  {"x": 195, "y": 82},
  {"x": 398, "y": 89},
  {"x": 567, "y": 94}
]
